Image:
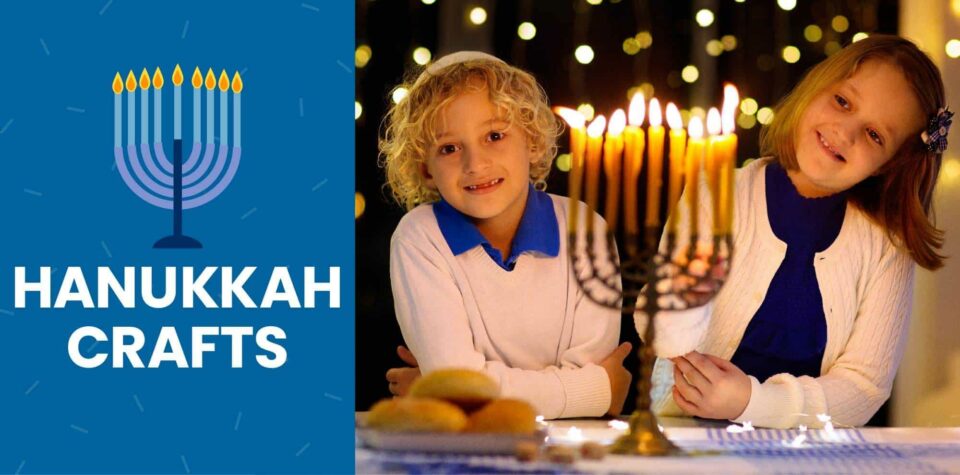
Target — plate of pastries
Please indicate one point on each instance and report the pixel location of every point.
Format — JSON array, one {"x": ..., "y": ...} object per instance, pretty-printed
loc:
[{"x": 451, "y": 411}]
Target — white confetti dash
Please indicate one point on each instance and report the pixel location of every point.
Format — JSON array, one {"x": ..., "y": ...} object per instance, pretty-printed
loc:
[
  {"x": 318, "y": 185},
  {"x": 44, "y": 44},
  {"x": 32, "y": 192},
  {"x": 236, "y": 425},
  {"x": 137, "y": 400},
  {"x": 4, "y": 129},
  {"x": 735, "y": 429},
  {"x": 309, "y": 7},
  {"x": 22, "y": 463},
  {"x": 79, "y": 429},
  {"x": 248, "y": 213},
  {"x": 302, "y": 449},
  {"x": 301, "y": 107},
  {"x": 186, "y": 26},
  {"x": 331, "y": 396},
  {"x": 76, "y": 109},
  {"x": 32, "y": 387},
  {"x": 92, "y": 346},
  {"x": 243, "y": 71},
  {"x": 6, "y": 312},
  {"x": 106, "y": 249},
  {"x": 183, "y": 458},
  {"x": 344, "y": 66},
  {"x": 105, "y": 7}
]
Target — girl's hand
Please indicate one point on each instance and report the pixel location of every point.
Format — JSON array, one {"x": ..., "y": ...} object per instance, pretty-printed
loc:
[
  {"x": 709, "y": 387},
  {"x": 400, "y": 379},
  {"x": 619, "y": 377}
]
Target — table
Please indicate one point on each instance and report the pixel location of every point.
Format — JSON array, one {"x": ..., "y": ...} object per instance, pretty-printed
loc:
[{"x": 861, "y": 450}]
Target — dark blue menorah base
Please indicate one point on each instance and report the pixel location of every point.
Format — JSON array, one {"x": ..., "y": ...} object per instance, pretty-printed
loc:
[{"x": 178, "y": 242}]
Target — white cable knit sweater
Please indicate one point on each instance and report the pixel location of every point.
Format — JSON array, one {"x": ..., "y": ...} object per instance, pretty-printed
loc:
[
  {"x": 866, "y": 283},
  {"x": 531, "y": 329}
]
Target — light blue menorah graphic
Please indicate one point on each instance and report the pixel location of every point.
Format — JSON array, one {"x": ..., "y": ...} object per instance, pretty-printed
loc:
[{"x": 180, "y": 184}]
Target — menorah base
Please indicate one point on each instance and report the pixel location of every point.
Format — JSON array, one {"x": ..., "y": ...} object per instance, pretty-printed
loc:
[
  {"x": 644, "y": 438},
  {"x": 178, "y": 241}
]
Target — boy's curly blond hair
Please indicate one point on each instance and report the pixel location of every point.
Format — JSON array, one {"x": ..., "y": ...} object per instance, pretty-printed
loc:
[{"x": 410, "y": 126}]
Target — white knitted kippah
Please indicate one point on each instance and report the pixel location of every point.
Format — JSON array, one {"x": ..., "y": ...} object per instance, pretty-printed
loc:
[{"x": 455, "y": 58}]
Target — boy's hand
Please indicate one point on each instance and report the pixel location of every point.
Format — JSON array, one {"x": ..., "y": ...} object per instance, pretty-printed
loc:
[
  {"x": 709, "y": 387},
  {"x": 400, "y": 379},
  {"x": 619, "y": 377}
]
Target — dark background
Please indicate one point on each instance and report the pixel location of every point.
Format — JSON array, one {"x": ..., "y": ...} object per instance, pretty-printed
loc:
[{"x": 393, "y": 29}]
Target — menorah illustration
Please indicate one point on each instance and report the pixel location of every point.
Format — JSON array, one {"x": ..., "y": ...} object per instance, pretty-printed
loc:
[
  {"x": 177, "y": 185},
  {"x": 649, "y": 275}
]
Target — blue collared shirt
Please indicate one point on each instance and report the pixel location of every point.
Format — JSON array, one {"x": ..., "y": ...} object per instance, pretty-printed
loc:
[{"x": 538, "y": 231}]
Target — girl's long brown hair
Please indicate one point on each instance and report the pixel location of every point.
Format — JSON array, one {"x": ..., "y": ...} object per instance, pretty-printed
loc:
[{"x": 898, "y": 197}]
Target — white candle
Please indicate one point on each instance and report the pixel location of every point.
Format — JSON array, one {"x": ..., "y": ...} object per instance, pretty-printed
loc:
[
  {"x": 210, "y": 83},
  {"x": 224, "y": 84},
  {"x": 117, "y": 111},
  {"x": 237, "y": 87},
  {"x": 196, "y": 81},
  {"x": 144, "y": 110},
  {"x": 177, "y": 109},
  {"x": 157, "y": 102},
  {"x": 131, "y": 109}
]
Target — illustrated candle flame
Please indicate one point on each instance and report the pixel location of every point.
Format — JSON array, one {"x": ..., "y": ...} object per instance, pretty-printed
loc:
[
  {"x": 210, "y": 80},
  {"x": 144, "y": 79},
  {"x": 636, "y": 110},
  {"x": 237, "y": 84},
  {"x": 177, "y": 76},
  {"x": 224, "y": 81},
  {"x": 197, "y": 79},
  {"x": 131, "y": 82},
  {"x": 117, "y": 84},
  {"x": 157, "y": 79}
]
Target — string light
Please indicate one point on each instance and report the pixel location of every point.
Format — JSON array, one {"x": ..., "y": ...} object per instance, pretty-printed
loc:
[
  {"x": 704, "y": 17},
  {"x": 526, "y": 31},
  {"x": 362, "y": 56},
  {"x": 813, "y": 33},
  {"x": 840, "y": 23},
  {"x": 584, "y": 54},
  {"x": 690, "y": 73},
  {"x": 478, "y": 16},
  {"x": 421, "y": 56},
  {"x": 791, "y": 54}
]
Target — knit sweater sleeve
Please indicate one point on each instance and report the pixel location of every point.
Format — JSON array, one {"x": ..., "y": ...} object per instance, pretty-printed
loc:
[
  {"x": 859, "y": 382},
  {"x": 431, "y": 311}
]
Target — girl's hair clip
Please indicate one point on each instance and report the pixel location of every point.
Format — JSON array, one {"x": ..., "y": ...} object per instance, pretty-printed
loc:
[{"x": 935, "y": 136}]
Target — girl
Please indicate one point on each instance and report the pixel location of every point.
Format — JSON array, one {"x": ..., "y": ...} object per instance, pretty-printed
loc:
[
  {"x": 813, "y": 319},
  {"x": 480, "y": 274}
]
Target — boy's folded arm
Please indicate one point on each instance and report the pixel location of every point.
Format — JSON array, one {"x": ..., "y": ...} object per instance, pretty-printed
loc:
[{"x": 434, "y": 324}]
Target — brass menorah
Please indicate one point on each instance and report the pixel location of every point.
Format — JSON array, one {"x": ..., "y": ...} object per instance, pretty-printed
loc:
[{"x": 651, "y": 275}]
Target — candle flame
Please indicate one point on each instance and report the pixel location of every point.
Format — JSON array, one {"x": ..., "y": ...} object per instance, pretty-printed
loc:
[
  {"x": 117, "y": 84},
  {"x": 731, "y": 101},
  {"x": 197, "y": 78},
  {"x": 210, "y": 80},
  {"x": 595, "y": 129},
  {"x": 673, "y": 117},
  {"x": 157, "y": 79},
  {"x": 177, "y": 76},
  {"x": 237, "y": 83},
  {"x": 224, "y": 81},
  {"x": 131, "y": 82},
  {"x": 695, "y": 129},
  {"x": 636, "y": 109},
  {"x": 573, "y": 118},
  {"x": 617, "y": 122},
  {"x": 656, "y": 119},
  {"x": 144, "y": 79},
  {"x": 713, "y": 121}
]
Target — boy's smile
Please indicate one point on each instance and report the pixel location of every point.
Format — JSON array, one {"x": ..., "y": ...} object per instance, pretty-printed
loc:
[{"x": 480, "y": 164}]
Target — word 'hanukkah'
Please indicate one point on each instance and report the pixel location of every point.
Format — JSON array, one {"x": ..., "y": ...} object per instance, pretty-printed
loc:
[{"x": 74, "y": 288}]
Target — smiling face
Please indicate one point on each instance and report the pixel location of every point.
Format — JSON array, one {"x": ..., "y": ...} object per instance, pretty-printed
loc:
[
  {"x": 480, "y": 164},
  {"x": 852, "y": 128}
]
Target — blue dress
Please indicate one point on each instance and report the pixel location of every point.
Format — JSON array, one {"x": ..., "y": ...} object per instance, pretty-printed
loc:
[{"x": 788, "y": 333}]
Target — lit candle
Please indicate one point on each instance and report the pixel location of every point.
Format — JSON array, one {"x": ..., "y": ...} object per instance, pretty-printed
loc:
[
  {"x": 578, "y": 140},
  {"x": 695, "y": 148},
  {"x": 177, "y": 109},
  {"x": 224, "y": 85},
  {"x": 197, "y": 82},
  {"x": 236, "y": 85},
  {"x": 678, "y": 142},
  {"x": 731, "y": 101},
  {"x": 655, "y": 159},
  {"x": 612, "y": 152},
  {"x": 117, "y": 111},
  {"x": 144, "y": 110},
  {"x": 157, "y": 103},
  {"x": 634, "y": 143},
  {"x": 716, "y": 151},
  {"x": 594, "y": 146}
]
